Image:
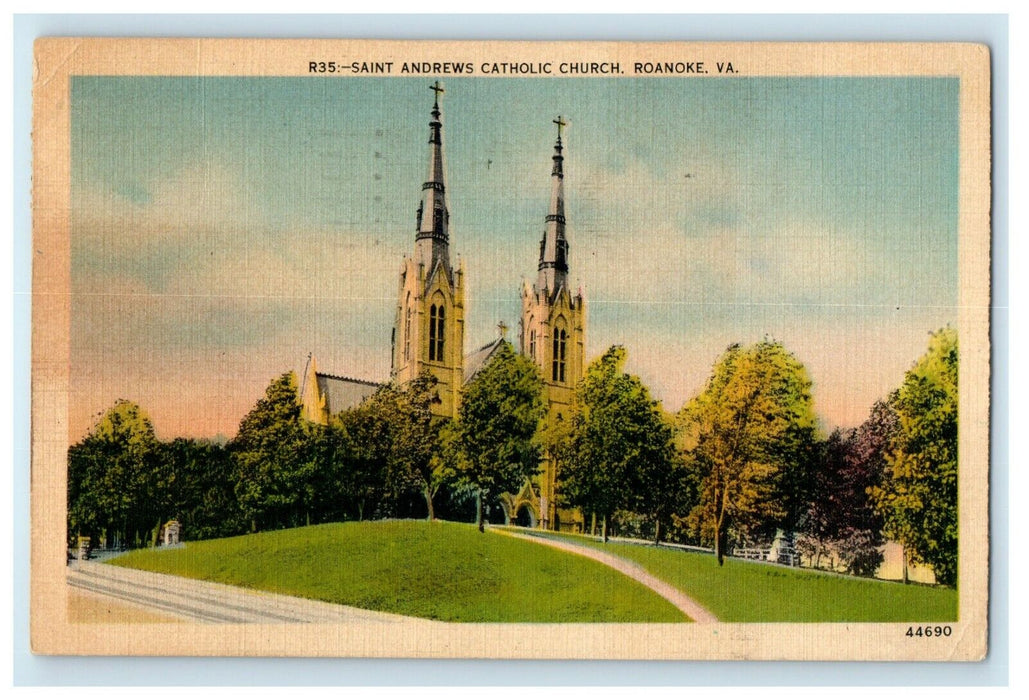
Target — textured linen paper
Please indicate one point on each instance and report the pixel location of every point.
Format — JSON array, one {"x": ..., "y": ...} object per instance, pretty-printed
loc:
[{"x": 290, "y": 298}]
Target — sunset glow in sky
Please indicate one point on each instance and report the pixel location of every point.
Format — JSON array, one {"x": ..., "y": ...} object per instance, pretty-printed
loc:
[{"x": 223, "y": 228}]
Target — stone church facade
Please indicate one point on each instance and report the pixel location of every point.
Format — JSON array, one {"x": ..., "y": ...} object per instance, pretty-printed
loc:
[{"x": 429, "y": 327}]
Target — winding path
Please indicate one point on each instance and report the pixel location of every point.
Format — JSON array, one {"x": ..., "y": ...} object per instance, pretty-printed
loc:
[{"x": 694, "y": 610}]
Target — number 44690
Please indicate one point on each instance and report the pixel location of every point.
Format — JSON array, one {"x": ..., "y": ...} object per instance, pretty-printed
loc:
[{"x": 928, "y": 631}]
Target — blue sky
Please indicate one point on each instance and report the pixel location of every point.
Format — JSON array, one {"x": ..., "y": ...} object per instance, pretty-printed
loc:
[{"x": 222, "y": 228}]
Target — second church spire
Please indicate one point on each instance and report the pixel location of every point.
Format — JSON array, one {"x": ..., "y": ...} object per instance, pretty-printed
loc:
[{"x": 553, "y": 265}]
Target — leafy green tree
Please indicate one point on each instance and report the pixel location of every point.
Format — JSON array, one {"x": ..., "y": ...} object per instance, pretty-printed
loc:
[
  {"x": 358, "y": 444},
  {"x": 747, "y": 434},
  {"x": 618, "y": 453},
  {"x": 919, "y": 496},
  {"x": 275, "y": 460},
  {"x": 203, "y": 488},
  {"x": 117, "y": 486},
  {"x": 666, "y": 487},
  {"x": 499, "y": 424},
  {"x": 405, "y": 436}
]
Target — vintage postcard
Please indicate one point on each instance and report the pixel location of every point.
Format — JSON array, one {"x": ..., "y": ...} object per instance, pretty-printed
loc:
[{"x": 510, "y": 350}]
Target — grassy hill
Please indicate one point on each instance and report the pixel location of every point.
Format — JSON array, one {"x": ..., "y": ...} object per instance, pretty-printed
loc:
[
  {"x": 744, "y": 591},
  {"x": 440, "y": 570}
]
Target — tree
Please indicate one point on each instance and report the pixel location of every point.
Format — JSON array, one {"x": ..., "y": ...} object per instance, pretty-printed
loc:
[
  {"x": 405, "y": 434},
  {"x": 841, "y": 519},
  {"x": 499, "y": 424},
  {"x": 749, "y": 435},
  {"x": 358, "y": 443},
  {"x": 275, "y": 460},
  {"x": 116, "y": 483},
  {"x": 203, "y": 496},
  {"x": 861, "y": 536},
  {"x": 619, "y": 446},
  {"x": 919, "y": 495},
  {"x": 673, "y": 491}
]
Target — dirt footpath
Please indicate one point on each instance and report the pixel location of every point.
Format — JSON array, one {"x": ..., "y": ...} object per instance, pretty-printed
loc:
[{"x": 694, "y": 610}]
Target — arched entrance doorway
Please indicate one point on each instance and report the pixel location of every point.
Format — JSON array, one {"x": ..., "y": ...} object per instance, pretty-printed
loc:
[{"x": 525, "y": 517}]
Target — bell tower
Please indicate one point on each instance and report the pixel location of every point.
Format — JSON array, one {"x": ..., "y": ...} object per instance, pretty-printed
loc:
[
  {"x": 553, "y": 329},
  {"x": 428, "y": 333}
]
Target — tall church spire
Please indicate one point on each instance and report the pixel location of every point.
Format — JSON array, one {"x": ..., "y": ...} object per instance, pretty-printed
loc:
[
  {"x": 428, "y": 333},
  {"x": 432, "y": 239},
  {"x": 553, "y": 266},
  {"x": 553, "y": 336}
]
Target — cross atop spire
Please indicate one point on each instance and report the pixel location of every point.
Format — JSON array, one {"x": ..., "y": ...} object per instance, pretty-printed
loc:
[
  {"x": 558, "y": 158},
  {"x": 561, "y": 123},
  {"x": 553, "y": 265},
  {"x": 433, "y": 218}
]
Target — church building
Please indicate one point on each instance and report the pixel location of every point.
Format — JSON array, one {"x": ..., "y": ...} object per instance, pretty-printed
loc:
[{"x": 428, "y": 330}]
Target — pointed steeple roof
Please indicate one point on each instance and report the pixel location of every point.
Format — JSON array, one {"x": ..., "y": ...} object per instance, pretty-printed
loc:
[
  {"x": 553, "y": 265},
  {"x": 432, "y": 238}
]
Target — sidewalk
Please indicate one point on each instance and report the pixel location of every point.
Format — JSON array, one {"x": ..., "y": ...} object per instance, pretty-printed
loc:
[{"x": 192, "y": 599}]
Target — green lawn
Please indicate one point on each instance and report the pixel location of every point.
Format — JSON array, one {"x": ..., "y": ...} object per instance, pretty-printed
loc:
[
  {"x": 440, "y": 570},
  {"x": 742, "y": 591}
]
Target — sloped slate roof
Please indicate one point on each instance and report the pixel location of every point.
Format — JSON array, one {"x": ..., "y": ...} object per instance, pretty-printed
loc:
[
  {"x": 342, "y": 393},
  {"x": 475, "y": 361}
]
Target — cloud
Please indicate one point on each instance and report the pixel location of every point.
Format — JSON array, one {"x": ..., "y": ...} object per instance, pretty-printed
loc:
[
  {"x": 168, "y": 285},
  {"x": 638, "y": 235}
]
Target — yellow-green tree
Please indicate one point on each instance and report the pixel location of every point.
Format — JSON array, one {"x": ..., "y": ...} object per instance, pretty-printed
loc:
[
  {"x": 749, "y": 435},
  {"x": 919, "y": 495}
]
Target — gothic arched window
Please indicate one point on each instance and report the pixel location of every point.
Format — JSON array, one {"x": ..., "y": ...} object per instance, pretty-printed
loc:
[
  {"x": 436, "y": 328},
  {"x": 532, "y": 343},
  {"x": 407, "y": 336},
  {"x": 557, "y": 365},
  {"x": 439, "y": 334}
]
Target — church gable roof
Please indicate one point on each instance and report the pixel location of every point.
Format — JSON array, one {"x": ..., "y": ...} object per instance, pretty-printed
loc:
[
  {"x": 342, "y": 393},
  {"x": 475, "y": 361}
]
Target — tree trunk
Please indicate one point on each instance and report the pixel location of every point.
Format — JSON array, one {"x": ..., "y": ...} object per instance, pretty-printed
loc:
[
  {"x": 478, "y": 512},
  {"x": 720, "y": 529},
  {"x": 657, "y": 532},
  {"x": 605, "y": 529},
  {"x": 428, "y": 504},
  {"x": 904, "y": 561},
  {"x": 593, "y": 526}
]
